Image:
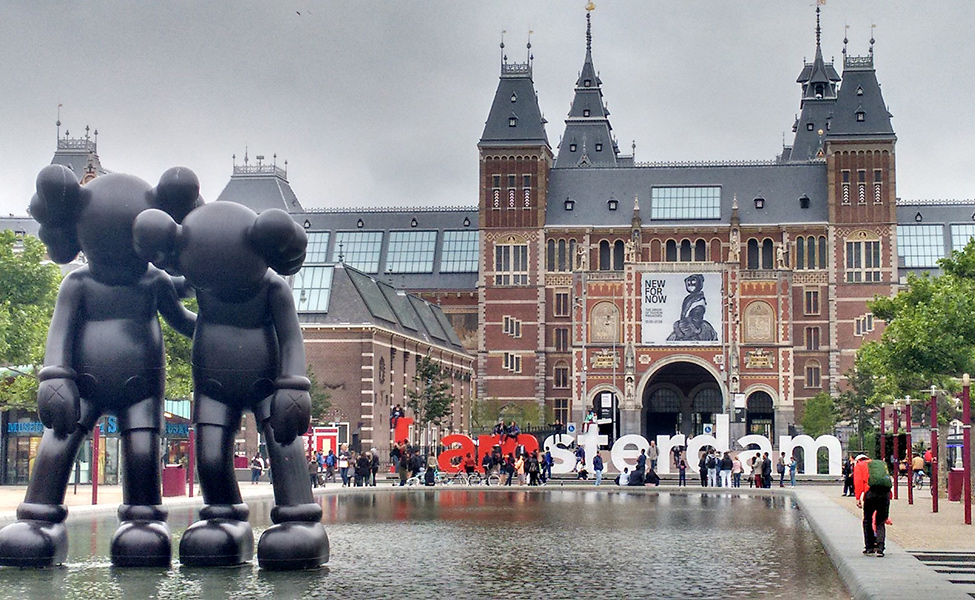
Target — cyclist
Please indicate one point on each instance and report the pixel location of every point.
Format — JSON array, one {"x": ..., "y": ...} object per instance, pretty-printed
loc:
[{"x": 917, "y": 465}]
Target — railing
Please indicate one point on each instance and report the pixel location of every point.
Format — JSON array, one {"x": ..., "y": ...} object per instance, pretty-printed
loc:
[
  {"x": 396, "y": 209},
  {"x": 77, "y": 144},
  {"x": 260, "y": 170},
  {"x": 710, "y": 163}
]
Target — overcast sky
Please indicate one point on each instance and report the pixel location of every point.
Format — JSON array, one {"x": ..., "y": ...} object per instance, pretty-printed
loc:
[{"x": 382, "y": 103}]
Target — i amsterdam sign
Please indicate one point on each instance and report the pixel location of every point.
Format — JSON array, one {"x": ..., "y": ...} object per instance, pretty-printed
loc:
[{"x": 626, "y": 449}]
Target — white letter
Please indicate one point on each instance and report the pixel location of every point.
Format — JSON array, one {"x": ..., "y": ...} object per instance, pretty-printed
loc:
[
  {"x": 745, "y": 456},
  {"x": 665, "y": 446},
  {"x": 810, "y": 452},
  {"x": 590, "y": 441},
  {"x": 562, "y": 459},
  {"x": 619, "y": 454}
]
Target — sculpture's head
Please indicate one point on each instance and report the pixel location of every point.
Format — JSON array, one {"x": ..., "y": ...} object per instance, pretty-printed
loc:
[
  {"x": 222, "y": 247},
  {"x": 98, "y": 218}
]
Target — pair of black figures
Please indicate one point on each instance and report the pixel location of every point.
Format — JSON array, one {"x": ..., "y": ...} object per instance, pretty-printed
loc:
[{"x": 105, "y": 355}]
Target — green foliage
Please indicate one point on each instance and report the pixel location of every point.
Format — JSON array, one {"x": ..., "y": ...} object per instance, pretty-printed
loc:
[
  {"x": 179, "y": 355},
  {"x": 930, "y": 333},
  {"x": 820, "y": 415},
  {"x": 485, "y": 413},
  {"x": 28, "y": 291},
  {"x": 430, "y": 401},
  {"x": 320, "y": 399}
]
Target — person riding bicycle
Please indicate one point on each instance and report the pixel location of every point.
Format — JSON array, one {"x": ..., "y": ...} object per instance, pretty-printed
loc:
[{"x": 917, "y": 465}]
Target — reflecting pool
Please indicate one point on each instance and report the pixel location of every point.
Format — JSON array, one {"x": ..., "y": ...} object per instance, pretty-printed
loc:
[{"x": 490, "y": 544}]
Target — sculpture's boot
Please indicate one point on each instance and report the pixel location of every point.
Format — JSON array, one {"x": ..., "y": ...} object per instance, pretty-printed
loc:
[
  {"x": 142, "y": 538},
  {"x": 38, "y": 537},
  {"x": 222, "y": 538},
  {"x": 297, "y": 540}
]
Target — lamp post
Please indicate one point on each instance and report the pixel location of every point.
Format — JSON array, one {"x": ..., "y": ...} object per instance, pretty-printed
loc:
[
  {"x": 883, "y": 433},
  {"x": 966, "y": 415},
  {"x": 910, "y": 452},
  {"x": 895, "y": 422},
  {"x": 934, "y": 450}
]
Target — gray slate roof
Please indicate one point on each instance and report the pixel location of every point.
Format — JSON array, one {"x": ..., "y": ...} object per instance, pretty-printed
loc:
[
  {"x": 260, "y": 187},
  {"x": 515, "y": 98},
  {"x": 781, "y": 185},
  {"x": 860, "y": 91},
  {"x": 360, "y": 299}
]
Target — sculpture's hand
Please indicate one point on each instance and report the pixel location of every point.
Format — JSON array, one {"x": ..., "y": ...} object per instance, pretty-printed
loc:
[
  {"x": 59, "y": 404},
  {"x": 290, "y": 409}
]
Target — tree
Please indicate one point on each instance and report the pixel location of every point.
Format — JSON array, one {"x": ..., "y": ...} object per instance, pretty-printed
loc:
[
  {"x": 179, "y": 357},
  {"x": 857, "y": 404},
  {"x": 430, "y": 400},
  {"x": 320, "y": 399},
  {"x": 28, "y": 290},
  {"x": 819, "y": 417},
  {"x": 930, "y": 333}
]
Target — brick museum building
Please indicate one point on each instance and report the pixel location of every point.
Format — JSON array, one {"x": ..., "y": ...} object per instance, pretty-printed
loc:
[{"x": 659, "y": 294}]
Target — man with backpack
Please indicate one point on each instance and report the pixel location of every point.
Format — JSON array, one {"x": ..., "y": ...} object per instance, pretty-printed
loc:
[
  {"x": 871, "y": 486},
  {"x": 712, "y": 465}
]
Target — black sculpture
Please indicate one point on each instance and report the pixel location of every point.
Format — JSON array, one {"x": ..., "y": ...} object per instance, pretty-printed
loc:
[
  {"x": 247, "y": 355},
  {"x": 104, "y": 355}
]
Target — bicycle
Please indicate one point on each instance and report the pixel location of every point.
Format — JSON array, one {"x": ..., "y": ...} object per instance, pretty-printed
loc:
[
  {"x": 420, "y": 478},
  {"x": 478, "y": 478},
  {"x": 918, "y": 479}
]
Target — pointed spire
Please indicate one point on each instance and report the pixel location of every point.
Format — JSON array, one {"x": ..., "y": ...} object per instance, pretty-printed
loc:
[{"x": 589, "y": 8}]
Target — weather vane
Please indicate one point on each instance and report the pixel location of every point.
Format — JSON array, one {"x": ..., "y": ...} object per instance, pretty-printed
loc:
[{"x": 590, "y": 7}]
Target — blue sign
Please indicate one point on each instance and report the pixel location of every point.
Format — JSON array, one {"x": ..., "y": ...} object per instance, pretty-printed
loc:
[
  {"x": 178, "y": 429},
  {"x": 25, "y": 428}
]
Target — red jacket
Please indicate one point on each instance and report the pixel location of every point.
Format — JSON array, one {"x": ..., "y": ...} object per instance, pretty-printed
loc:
[{"x": 861, "y": 476}]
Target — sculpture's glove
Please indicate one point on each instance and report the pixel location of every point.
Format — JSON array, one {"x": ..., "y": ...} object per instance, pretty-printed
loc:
[
  {"x": 58, "y": 401},
  {"x": 290, "y": 408}
]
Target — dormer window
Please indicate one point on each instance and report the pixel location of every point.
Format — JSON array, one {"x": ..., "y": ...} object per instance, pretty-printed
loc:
[
  {"x": 599, "y": 147},
  {"x": 569, "y": 204},
  {"x": 859, "y": 91},
  {"x": 861, "y": 116},
  {"x": 572, "y": 147},
  {"x": 759, "y": 203},
  {"x": 613, "y": 204},
  {"x": 512, "y": 121},
  {"x": 585, "y": 112},
  {"x": 587, "y": 83},
  {"x": 514, "y": 97},
  {"x": 803, "y": 201},
  {"x": 809, "y": 126}
]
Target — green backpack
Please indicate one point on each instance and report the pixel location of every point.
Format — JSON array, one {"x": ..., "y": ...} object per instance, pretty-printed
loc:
[{"x": 878, "y": 475}]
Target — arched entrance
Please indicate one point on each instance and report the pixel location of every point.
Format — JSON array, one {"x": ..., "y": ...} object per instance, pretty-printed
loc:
[
  {"x": 760, "y": 417},
  {"x": 680, "y": 398}
]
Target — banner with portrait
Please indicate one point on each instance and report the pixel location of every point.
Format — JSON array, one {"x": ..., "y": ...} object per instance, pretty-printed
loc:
[{"x": 681, "y": 309}]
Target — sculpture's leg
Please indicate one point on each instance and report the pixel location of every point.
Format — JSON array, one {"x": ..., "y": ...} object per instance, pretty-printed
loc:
[
  {"x": 142, "y": 538},
  {"x": 297, "y": 540},
  {"x": 223, "y": 537},
  {"x": 38, "y": 537}
]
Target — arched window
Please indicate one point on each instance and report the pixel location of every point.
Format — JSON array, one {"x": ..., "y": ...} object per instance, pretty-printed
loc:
[
  {"x": 671, "y": 251},
  {"x": 811, "y": 252},
  {"x": 753, "y": 256},
  {"x": 685, "y": 251},
  {"x": 800, "y": 253},
  {"x": 562, "y": 258},
  {"x": 768, "y": 250},
  {"x": 550, "y": 255},
  {"x": 604, "y": 256},
  {"x": 619, "y": 254},
  {"x": 700, "y": 251},
  {"x": 561, "y": 375},
  {"x": 822, "y": 252},
  {"x": 813, "y": 374}
]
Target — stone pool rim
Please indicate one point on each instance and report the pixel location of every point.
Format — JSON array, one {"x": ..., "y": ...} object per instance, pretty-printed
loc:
[{"x": 898, "y": 575}]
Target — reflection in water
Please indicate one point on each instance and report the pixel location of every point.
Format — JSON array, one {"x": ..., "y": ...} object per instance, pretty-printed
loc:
[{"x": 487, "y": 544}]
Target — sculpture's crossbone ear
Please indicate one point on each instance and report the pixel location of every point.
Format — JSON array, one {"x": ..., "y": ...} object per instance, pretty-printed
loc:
[
  {"x": 280, "y": 240},
  {"x": 178, "y": 192},
  {"x": 55, "y": 206},
  {"x": 155, "y": 235}
]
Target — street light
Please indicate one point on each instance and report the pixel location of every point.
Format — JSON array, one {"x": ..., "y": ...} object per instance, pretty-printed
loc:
[
  {"x": 934, "y": 450},
  {"x": 966, "y": 417},
  {"x": 910, "y": 453}
]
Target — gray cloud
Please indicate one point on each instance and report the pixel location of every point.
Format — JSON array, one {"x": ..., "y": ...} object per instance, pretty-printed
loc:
[{"x": 382, "y": 103}]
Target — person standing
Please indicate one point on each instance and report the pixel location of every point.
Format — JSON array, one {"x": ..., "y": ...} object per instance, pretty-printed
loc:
[
  {"x": 257, "y": 467},
  {"x": 682, "y": 471},
  {"x": 330, "y": 460},
  {"x": 848, "y": 476},
  {"x": 520, "y": 469},
  {"x": 780, "y": 467},
  {"x": 727, "y": 464},
  {"x": 736, "y": 470},
  {"x": 702, "y": 467},
  {"x": 403, "y": 469},
  {"x": 597, "y": 467},
  {"x": 757, "y": 470},
  {"x": 871, "y": 484},
  {"x": 344, "y": 465},
  {"x": 712, "y": 463},
  {"x": 653, "y": 454},
  {"x": 547, "y": 465},
  {"x": 641, "y": 462},
  {"x": 793, "y": 465},
  {"x": 766, "y": 470}
]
